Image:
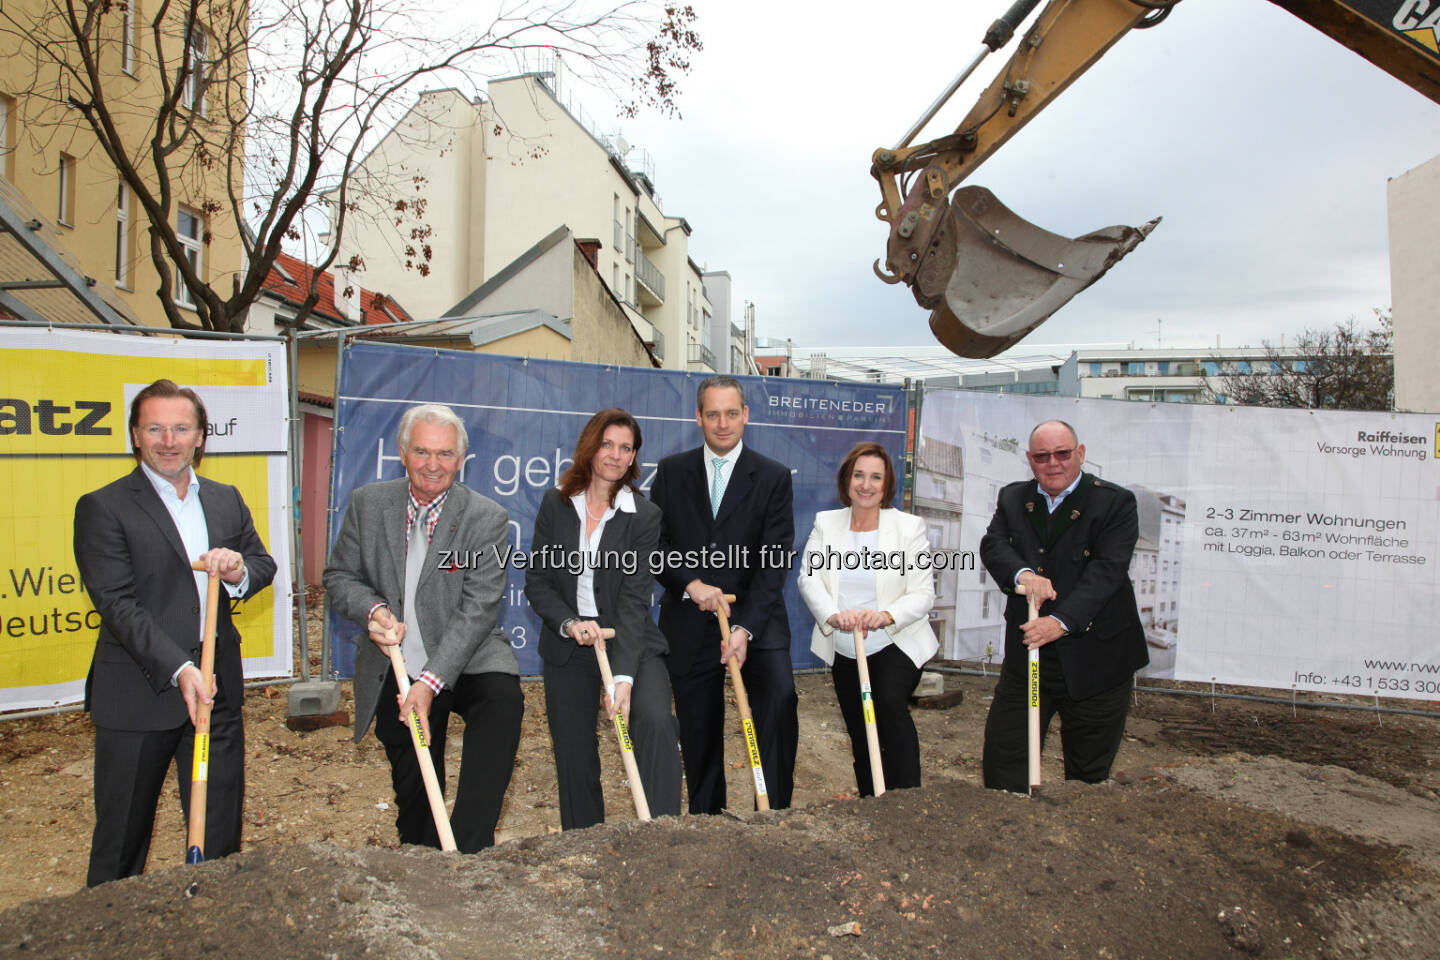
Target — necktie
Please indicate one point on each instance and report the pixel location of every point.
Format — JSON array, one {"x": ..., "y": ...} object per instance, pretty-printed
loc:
[
  {"x": 717, "y": 486},
  {"x": 413, "y": 646}
]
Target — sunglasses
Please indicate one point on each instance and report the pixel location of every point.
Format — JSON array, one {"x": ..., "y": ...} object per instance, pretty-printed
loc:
[{"x": 1061, "y": 456}]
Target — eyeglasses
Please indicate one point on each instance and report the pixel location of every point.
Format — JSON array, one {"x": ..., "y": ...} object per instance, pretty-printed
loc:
[
  {"x": 154, "y": 431},
  {"x": 1061, "y": 456}
]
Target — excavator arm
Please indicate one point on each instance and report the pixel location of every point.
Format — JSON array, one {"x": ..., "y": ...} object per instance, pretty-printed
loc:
[{"x": 988, "y": 276}]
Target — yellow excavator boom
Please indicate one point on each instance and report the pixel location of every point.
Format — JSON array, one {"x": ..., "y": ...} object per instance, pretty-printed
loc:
[{"x": 988, "y": 276}]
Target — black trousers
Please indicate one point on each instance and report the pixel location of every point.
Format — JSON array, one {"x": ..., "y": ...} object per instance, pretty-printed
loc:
[
  {"x": 572, "y": 705},
  {"x": 491, "y": 705},
  {"x": 130, "y": 768},
  {"x": 893, "y": 677},
  {"x": 700, "y": 709},
  {"x": 1090, "y": 729}
]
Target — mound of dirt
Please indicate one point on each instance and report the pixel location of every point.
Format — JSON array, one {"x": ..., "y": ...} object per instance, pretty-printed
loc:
[
  {"x": 1153, "y": 868},
  {"x": 1232, "y": 829}
]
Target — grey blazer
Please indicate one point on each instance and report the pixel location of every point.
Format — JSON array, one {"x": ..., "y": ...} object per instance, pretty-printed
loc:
[{"x": 458, "y": 597}]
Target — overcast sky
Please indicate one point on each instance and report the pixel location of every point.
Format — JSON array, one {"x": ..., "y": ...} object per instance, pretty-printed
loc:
[{"x": 1265, "y": 146}]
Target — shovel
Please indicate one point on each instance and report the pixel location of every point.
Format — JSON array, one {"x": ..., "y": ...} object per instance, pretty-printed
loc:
[
  {"x": 747, "y": 719},
  {"x": 622, "y": 733},
  {"x": 200, "y": 769}
]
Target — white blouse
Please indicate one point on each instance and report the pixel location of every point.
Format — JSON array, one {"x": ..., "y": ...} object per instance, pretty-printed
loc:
[{"x": 857, "y": 592}]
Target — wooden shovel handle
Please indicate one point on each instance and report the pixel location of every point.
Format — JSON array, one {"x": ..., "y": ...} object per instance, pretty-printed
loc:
[
  {"x": 200, "y": 767},
  {"x": 1033, "y": 686},
  {"x": 622, "y": 733},
  {"x": 747, "y": 719},
  {"x": 422, "y": 751}
]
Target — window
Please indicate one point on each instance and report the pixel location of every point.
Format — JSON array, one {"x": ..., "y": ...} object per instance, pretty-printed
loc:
[
  {"x": 190, "y": 229},
  {"x": 65, "y": 206},
  {"x": 1135, "y": 368},
  {"x": 1162, "y": 367},
  {"x": 122, "y": 237},
  {"x": 127, "y": 37},
  {"x": 1211, "y": 368},
  {"x": 192, "y": 95},
  {"x": 7, "y": 118},
  {"x": 1094, "y": 369}
]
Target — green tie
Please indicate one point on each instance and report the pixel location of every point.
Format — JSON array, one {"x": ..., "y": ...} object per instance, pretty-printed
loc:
[{"x": 717, "y": 488}]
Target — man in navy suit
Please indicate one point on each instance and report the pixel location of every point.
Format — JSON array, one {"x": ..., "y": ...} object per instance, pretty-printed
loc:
[
  {"x": 724, "y": 502},
  {"x": 135, "y": 539}
]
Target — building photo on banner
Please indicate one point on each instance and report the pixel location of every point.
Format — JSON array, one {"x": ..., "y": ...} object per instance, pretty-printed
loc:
[
  {"x": 523, "y": 417},
  {"x": 1291, "y": 549},
  {"x": 64, "y": 433}
]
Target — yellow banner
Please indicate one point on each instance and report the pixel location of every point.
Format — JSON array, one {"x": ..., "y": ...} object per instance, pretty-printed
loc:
[
  {"x": 61, "y": 402},
  {"x": 63, "y": 433}
]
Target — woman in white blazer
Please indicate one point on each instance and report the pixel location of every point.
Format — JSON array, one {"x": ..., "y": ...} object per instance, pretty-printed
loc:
[{"x": 863, "y": 576}]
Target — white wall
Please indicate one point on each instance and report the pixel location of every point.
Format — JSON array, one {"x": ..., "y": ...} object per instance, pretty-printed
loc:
[
  {"x": 434, "y": 142},
  {"x": 1413, "y": 201}
]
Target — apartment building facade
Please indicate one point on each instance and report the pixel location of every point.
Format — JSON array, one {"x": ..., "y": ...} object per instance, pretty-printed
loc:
[
  {"x": 1180, "y": 375},
  {"x": 495, "y": 177},
  {"x": 55, "y": 172}
]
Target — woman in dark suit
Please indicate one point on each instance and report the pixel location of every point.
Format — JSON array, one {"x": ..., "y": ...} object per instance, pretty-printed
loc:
[{"x": 590, "y": 569}]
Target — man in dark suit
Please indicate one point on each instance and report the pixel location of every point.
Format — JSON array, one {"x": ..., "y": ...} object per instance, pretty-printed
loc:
[
  {"x": 724, "y": 502},
  {"x": 1067, "y": 537},
  {"x": 135, "y": 539},
  {"x": 428, "y": 551}
]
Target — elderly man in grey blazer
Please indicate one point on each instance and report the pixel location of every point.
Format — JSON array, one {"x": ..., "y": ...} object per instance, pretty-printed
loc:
[{"x": 418, "y": 562}]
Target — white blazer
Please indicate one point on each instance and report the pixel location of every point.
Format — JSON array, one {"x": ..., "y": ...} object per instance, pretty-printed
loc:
[{"x": 907, "y": 596}]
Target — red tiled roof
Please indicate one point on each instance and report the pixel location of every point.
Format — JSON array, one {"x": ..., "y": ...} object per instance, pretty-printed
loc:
[
  {"x": 374, "y": 307},
  {"x": 319, "y": 399}
]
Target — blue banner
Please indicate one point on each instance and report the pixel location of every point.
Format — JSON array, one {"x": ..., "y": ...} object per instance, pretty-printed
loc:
[{"x": 524, "y": 416}]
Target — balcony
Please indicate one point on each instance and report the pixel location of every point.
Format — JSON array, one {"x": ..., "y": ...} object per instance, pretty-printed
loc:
[
  {"x": 651, "y": 291},
  {"x": 656, "y": 343},
  {"x": 701, "y": 354},
  {"x": 631, "y": 248}
]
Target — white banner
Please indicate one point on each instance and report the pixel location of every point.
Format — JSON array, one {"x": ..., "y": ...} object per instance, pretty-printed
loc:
[
  {"x": 1293, "y": 549},
  {"x": 63, "y": 433}
]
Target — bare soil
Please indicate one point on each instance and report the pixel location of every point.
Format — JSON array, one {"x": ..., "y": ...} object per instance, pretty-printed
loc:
[{"x": 1231, "y": 828}]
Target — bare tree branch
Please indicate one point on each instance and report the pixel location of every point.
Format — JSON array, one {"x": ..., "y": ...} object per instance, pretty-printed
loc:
[
  {"x": 1345, "y": 368},
  {"x": 260, "y": 113}
]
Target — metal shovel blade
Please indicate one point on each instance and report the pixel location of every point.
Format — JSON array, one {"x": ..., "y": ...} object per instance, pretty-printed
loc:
[{"x": 1011, "y": 275}]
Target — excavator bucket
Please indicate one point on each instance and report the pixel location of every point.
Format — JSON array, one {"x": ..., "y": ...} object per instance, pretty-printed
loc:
[{"x": 1010, "y": 275}]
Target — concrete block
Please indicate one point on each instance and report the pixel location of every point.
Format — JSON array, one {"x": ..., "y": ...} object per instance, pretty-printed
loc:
[
  {"x": 931, "y": 684},
  {"x": 313, "y": 698}
]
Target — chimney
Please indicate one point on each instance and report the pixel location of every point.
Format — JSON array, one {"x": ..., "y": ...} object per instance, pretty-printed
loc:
[{"x": 591, "y": 248}]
